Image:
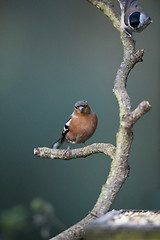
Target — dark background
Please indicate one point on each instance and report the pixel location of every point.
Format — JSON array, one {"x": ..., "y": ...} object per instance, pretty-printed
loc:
[{"x": 54, "y": 53}]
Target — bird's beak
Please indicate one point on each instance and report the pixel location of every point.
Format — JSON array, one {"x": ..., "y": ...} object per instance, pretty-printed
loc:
[{"x": 81, "y": 109}]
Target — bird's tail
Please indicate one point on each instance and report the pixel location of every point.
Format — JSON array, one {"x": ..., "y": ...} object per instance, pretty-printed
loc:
[{"x": 59, "y": 142}]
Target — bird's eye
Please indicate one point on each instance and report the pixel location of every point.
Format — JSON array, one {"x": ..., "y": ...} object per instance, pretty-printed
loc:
[
  {"x": 86, "y": 106},
  {"x": 76, "y": 107}
]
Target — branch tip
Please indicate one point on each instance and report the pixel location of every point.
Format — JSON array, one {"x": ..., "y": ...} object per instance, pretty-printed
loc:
[
  {"x": 129, "y": 119},
  {"x": 36, "y": 151},
  {"x": 138, "y": 55}
]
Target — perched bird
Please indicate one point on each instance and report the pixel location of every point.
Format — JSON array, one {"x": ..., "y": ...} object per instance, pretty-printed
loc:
[
  {"x": 80, "y": 126},
  {"x": 133, "y": 17}
]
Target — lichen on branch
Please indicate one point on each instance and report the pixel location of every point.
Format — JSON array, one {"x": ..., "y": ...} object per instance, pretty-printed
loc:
[{"x": 64, "y": 154}]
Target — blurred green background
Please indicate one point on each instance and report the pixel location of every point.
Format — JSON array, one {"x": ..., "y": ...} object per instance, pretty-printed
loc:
[{"x": 54, "y": 53}]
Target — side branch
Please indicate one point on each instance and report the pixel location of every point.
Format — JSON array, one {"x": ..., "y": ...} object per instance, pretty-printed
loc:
[
  {"x": 142, "y": 109},
  {"x": 105, "y": 148}
]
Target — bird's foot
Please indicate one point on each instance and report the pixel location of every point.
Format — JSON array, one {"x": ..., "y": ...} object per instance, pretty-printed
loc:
[
  {"x": 67, "y": 152},
  {"x": 129, "y": 35}
]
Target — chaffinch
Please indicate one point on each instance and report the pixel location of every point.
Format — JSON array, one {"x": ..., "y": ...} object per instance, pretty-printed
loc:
[{"x": 80, "y": 126}]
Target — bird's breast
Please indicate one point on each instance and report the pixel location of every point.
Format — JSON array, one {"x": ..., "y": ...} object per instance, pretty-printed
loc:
[{"x": 81, "y": 128}]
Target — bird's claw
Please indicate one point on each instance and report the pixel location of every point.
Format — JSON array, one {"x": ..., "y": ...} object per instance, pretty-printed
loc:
[
  {"x": 67, "y": 152},
  {"x": 129, "y": 35}
]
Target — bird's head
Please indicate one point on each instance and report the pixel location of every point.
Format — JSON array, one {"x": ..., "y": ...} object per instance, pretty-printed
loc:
[{"x": 82, "y": 107}]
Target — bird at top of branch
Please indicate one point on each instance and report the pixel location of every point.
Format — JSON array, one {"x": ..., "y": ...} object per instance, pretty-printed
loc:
[
  {"x": 133, "y": 17},
  {"x": 80, "y": 126}
]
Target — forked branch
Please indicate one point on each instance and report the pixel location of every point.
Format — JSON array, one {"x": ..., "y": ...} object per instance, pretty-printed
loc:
[{"x": 119, "y": 154}]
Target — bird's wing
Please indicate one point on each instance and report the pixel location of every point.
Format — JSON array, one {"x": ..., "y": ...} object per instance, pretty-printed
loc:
[
  {"x": 66, "y": 126},
  {"x": 62, "y": 138},
  {"x": 129, "y": 4},
  {"x": 126, "y": 4}
]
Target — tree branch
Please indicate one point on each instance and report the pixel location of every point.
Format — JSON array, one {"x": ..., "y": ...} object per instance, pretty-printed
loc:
[
  {"x": 105, "y": 148},
  {"x": 119, "y": 154},
  {"x": 142, "y": 108}
]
